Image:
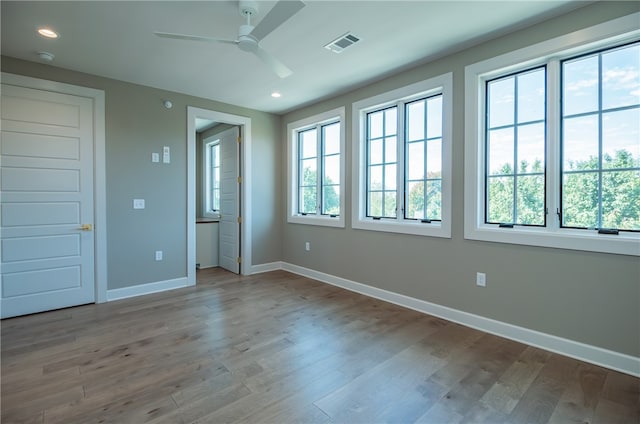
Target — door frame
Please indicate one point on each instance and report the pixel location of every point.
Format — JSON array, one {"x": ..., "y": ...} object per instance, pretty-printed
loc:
[
  {"x": 245, "y": 188},
  {"x": 99, "y": 170}
]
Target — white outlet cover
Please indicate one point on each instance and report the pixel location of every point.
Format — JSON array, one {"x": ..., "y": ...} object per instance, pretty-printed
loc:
[
  {"x": 138, "y": 203},
  {"x": 155, "y": 157}
]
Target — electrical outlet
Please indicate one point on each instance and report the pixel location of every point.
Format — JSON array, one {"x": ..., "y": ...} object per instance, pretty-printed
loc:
[
  {"x": 481, "y": 279},
  {"x": 155, "y": 157},
  {"x": 158, "y": 255},
  {"x": 307, "y": 246},
  {"x": 166, "y": 154}
]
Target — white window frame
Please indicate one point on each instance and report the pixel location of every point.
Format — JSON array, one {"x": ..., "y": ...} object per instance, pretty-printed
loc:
[
  {"x": 293, "y": 128},
  {"x": 442, "y": 84},
  {"x": 206, "y": 172},
  {"x": 608, "y": 34}
]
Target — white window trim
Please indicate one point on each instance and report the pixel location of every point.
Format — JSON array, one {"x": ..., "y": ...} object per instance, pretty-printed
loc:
[
  {"x": 335, "y": 115},
  {"x": 440, "y": 84},
  {"x": 616, "y": 31},
  {"x": 205, "y": 172}
]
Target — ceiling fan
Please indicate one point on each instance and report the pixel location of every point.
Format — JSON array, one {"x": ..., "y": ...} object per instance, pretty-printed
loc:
[{"x": 249, "y": 37}]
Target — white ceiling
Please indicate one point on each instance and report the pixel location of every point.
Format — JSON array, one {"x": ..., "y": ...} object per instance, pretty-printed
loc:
[{"x": 115, "y": 39}]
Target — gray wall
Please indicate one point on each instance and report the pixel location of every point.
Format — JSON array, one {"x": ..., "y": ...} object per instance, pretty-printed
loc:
[
  {"x": 137, "y": 124},
  {"x": 588, "y": 297}
]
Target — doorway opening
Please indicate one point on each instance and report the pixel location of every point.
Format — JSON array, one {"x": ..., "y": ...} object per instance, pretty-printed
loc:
[{"x": 195, "y": 118}]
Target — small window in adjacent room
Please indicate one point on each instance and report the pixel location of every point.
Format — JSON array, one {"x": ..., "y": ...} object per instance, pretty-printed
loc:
[
  {"x": 552, "y": 145},
  {"x": 316, "y": 170},
  {"x": 212, "y": 178}
]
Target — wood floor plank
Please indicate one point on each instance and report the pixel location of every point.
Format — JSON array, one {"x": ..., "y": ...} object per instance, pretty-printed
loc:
[
  {"x": 280, "y": 348},
  {"x": 505, "y": 394}
]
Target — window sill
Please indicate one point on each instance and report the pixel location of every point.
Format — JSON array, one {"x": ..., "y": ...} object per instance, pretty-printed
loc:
[
  {"x": 322, "y": 220},
  {"x": 416, "y": 228},
  {"x": 585, "y": 240}
]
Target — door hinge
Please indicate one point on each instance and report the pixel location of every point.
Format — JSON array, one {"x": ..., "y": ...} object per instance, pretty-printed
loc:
[
  {"x": 239, "y": 260},
  {"x": 239, "y": 139},
  {"x": 239, "y": 180},
  {"x": 239, "y": 220}
]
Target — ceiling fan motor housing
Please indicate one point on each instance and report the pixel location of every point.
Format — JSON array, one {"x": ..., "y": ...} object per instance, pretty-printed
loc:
[{"x": 246, "y": 42}]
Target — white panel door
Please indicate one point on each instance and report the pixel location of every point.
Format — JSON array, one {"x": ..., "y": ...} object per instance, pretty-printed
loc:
[
  {"x": 229, "y": 200},
  {"x": 47, "y": 240}
]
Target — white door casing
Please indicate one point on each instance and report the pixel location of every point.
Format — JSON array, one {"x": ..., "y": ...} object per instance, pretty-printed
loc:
[
  {"x": 245, "y": 193},
  {"x": 49, "y": 174}
]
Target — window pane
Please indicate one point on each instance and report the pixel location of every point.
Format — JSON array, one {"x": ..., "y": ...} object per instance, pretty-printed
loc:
[
  {"x": 531, "y": 148},
  {"x": 216, "y": 177},
  {"x": 415, "y": 160},
  {"x": 309, "y": 172},
  {"x": 390, "y": 149},
  {"x": 530, "y": 193},
  {"x": 580, "y": 85},
  {"x": 415, "y": 120},
  {"x": 500, "y": 199},
  {"x": 621, "y": 77},
  {"x": 500, "y": 152},
  {"x": 621, "y": 200},
  {"x": 580, "y": 143},
  {"x": 501, "y": 102},
  {"x": 375, "y": 177},
  {"x": 375, "y": 203},
  {"x": 580, "y": 200},
  {"x": 308, "y": 144},
  {"x": 331, "y": 170},
  {"x": 391, "y": 121},
  {"x": 390, "y": 177},
  {"x": 434, "y": 117},
  {"x": 415, "y": 201},
  {"x": 216, "y": 155},
  {"x": 331, "y": 200},
  {"x": 621, "y": 139},
  {"x": 375, "y": 152},
  {"x": 375, "y": 124},
  {"x": 434, "y": 199},
  {"x": 390, "y": 204},
  {"x": 531, "y": 96},
  {"x": 434, "y": 158},
  {"x": 331, "y": 138},
  {"x": 216, "y": 199},
  {"x": 308, "y": 198}
]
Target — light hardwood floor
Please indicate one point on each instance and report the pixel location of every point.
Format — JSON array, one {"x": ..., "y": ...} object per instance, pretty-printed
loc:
[{"x": 279, "y": 348}]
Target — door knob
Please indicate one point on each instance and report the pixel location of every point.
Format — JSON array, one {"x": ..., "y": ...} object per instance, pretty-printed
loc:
[{"x": 86, "y": 227}]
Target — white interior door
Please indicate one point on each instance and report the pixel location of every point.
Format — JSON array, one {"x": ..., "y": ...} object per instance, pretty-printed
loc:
[
  {"x": 229, "y": 252},
  {"x": 47, "y": 238}
]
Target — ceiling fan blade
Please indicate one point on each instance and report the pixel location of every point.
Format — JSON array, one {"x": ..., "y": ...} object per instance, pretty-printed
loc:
[
  {"x": 276, "y": 66},
  {"x": 193, "y": 37},
  {"x": 282, "y": 11}
]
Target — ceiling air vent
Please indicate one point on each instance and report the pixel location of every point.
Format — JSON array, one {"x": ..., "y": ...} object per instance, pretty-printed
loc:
[{"x": 342, "y": 42}]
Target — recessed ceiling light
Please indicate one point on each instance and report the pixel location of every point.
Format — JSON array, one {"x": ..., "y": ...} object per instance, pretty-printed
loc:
[
  {"x": 47, "y": 32},
  {"x": 276, "y": 95}
]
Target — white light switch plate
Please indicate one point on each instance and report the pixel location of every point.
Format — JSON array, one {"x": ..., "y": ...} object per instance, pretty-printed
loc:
[
  {"x": 166, "y": 154},
  {"x": 138, "y": 203},
  {"x": 155, "y": 157}
]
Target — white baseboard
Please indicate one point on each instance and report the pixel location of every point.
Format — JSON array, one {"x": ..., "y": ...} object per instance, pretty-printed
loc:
[
  {"x": 271, "y": 266},
  {"x": 584, "y": 352},
  {"x": 148, "y": 288}
]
